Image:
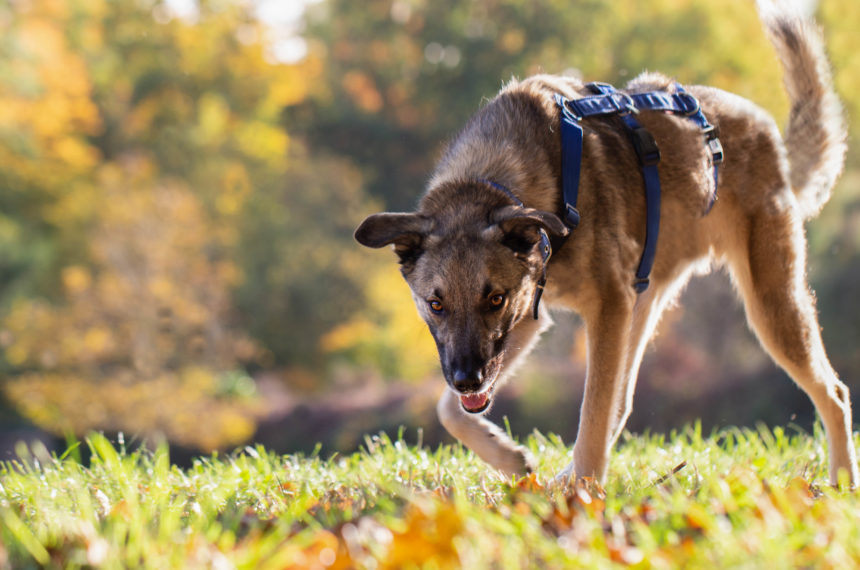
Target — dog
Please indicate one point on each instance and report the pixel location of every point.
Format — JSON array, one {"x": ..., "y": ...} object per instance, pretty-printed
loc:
[{"x": 474, "y": 251}]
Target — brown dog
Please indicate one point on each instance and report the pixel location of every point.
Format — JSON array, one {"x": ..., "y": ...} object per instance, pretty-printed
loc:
[{"x": 472, "y": 255}]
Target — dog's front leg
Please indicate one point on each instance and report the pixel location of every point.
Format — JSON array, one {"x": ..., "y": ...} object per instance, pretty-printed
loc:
[
  {"x": 608, "y": 331},
  {"x": 483, "y": 437},
  {"x": 477, "y": 433}
]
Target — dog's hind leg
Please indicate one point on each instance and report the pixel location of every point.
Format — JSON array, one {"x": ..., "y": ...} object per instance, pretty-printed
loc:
[{"x": 768, "y": 266}]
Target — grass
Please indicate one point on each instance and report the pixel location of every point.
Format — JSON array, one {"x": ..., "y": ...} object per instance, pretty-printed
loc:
[{"x": 736, "y": 498}]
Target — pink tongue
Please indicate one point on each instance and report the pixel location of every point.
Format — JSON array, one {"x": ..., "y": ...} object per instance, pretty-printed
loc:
[{"x": 474, "y": 401}]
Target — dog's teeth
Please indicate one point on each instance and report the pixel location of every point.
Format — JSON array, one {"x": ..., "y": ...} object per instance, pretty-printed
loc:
[{"x": 474, "y": 401}]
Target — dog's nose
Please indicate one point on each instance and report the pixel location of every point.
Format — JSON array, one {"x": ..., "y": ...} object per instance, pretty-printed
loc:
[{"x": 467, "y": 381}]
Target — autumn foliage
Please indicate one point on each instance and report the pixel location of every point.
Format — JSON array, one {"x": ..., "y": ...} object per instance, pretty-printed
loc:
[{"x": 177, "y": 204}]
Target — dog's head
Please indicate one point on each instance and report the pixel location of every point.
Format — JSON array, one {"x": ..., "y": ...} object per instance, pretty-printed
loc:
[{"x": 473, "y": 267}]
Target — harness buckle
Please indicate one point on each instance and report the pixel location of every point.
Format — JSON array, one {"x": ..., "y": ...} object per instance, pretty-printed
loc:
[
  {"x": 624, "y": 103},
  {"x": 599, "y": 87},
  {"x": 713, "y": 143},
  {"x": 716, "y": 148},
  {"x": 641, "y": 284},
  {"x": 689, "y": 104},
  {"x": 645, "y": 146},
  {"x": 567, "y": 111},
  {"x": 571, "y": 216},
  {"x": 545, "y": 247}
]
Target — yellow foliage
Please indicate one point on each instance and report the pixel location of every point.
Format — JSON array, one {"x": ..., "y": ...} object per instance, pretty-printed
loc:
[
  {"x": 213, "y": 118},
  {"x": 152, "y": 301},
  {"x": 147, "y": 300},
  {"x": 292, "y": 84},
  {"x": 229, "y": 273},
  {"x": 169, "y": 102},
  {"x": 228, "y": 203},
  {"x": 388, "y": 334},
  {"x": 45, "y": 102},
  {"x": 428, "y": 538},
  {"x": 161, "y": 289},
  {"x": 263, "y": 141},
  {"x": 840, "y": 19},
  {"x": 76, "y": 279},
  {"x": 347, "y": 335},
  {"x": 17, "y": 354},
  {"x": 98, "y": 341},
  {"x": 512, "y": 41},
  {"x": 74, "y": 151}
]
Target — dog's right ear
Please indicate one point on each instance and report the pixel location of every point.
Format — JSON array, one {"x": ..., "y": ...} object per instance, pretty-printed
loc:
[
  {"x": 405, "y": 231},
  {"x": 520, "y": 227}
]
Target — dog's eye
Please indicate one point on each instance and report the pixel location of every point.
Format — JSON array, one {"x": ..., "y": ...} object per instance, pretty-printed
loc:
[
  {"x": 435, "y": 305},
  {"x": 496, "y": 301}
]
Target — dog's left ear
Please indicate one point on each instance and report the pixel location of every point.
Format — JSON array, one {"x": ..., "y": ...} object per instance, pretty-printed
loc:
[
  {"x": 386, "y": 228},
  {"x": 405, "y": 231},
  {"x": 520, "y": 226}
]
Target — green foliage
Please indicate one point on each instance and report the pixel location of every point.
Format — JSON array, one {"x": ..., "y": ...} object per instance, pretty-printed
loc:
[
  {"x": 175, "y": 201},
  {"x": 145, "y": 199},
  {"x": 302, "y": 272},
  {"x": 734, "y": 498}
]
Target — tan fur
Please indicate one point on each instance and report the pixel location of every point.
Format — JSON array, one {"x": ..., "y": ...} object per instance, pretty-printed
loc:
[{"x": 468, "y": 246}]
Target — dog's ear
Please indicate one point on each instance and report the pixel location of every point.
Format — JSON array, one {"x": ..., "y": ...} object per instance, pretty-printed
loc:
[
  {"x": 520, "y": 226},
  {"x": 405, "y": 231}
]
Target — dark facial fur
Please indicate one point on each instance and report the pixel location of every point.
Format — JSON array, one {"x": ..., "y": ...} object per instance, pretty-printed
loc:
[{"x": 473, "y": 271}]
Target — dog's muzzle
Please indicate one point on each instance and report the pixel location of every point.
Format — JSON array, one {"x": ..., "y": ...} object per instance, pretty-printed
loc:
[
  {"x": 464, "y": 381},
  {"x": 468, "y": 386}
]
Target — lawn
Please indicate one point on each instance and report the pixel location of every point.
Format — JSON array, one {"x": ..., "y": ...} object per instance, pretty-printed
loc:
[{"x": 736, "y": 498}]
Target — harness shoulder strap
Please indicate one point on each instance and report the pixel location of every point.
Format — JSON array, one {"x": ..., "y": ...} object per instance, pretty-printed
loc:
[
  {"x": 649, "y": 157},
  {"x": 571, "y": 152}
]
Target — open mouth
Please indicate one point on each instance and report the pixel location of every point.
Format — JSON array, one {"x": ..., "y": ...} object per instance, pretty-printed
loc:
[{"x": 475, "y": 403}]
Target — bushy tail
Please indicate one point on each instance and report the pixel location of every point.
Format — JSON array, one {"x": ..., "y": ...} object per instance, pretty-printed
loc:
[{"x": 815, "y": 136}]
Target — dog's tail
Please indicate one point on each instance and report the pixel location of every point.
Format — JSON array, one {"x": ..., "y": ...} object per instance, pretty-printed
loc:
[{"x": 816, "y": 132}]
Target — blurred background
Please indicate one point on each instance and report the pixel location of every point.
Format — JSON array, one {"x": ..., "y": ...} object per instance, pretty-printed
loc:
[{"x": 179, "y": 183}]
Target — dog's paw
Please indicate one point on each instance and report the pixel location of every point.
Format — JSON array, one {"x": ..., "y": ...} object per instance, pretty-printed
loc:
[{"x": 516, "y": 460}]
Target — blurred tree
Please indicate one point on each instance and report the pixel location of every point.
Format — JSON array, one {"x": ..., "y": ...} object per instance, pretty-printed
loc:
[
  {"x": 402, "y": 75},
  {"x": 176, "y": 204},
  {"x": 303, "y": 274},
  {"x": 138, "y": 150},
  {"x": 46, "y": 117},
  {"x": 385, "y": 334}
]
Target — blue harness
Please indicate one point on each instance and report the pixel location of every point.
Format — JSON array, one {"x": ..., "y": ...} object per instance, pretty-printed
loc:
[{"x": 608, "y": 101}]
